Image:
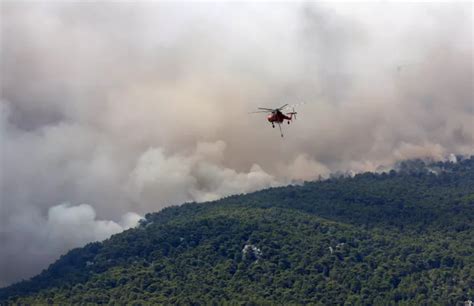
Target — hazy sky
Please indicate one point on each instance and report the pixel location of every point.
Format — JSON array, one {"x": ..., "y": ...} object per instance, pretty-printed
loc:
[{"x": 112, "y": 110}]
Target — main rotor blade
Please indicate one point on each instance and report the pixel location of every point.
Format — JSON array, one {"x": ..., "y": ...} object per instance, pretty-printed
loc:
[
  {"x": 263, "y": 111},
  {"x": 282, "y": 107},
  {"x": 297, "y": 104},
  {"x": 267, "y": 109}
]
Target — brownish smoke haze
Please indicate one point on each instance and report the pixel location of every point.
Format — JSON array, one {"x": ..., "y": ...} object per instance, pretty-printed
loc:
[{"x": 133, "y": 107}]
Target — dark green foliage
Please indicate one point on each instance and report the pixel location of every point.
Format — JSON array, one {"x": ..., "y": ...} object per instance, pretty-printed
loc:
[{"x": 404, "y": 237}]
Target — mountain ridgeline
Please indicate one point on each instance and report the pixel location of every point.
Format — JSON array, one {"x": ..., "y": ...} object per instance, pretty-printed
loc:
[{"x": 405, "y": 237}]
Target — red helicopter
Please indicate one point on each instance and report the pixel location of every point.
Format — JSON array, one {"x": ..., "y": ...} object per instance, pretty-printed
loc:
[{"x": 276, "y": 116}]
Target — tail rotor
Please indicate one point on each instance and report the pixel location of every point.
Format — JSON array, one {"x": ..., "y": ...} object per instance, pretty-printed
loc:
[{"x": 292, "y": 114}]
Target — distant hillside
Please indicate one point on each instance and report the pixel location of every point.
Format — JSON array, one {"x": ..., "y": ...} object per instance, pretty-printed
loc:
[{"x": 404, "y": 237}]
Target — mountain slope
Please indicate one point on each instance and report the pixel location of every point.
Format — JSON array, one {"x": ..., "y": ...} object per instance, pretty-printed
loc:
[{"x": 405, "y": 237}]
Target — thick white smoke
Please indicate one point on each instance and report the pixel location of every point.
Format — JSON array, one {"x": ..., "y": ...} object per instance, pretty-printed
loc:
[
  {"x": 42, "y": 239},
  {"x": 198, "y": 176},
  {"x": 131, "y": 107}
]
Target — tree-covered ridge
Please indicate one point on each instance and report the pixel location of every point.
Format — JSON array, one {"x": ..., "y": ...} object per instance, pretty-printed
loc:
[{"x": 404, "y": 237}]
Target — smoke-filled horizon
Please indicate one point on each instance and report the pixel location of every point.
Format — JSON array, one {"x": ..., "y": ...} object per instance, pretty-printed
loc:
[{"x": 112, "y": 110}]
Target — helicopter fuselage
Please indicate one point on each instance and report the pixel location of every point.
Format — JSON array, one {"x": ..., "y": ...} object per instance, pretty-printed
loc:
[{"x": 278, "y": 117}]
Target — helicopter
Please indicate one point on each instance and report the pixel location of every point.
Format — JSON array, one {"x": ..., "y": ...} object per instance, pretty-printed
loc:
[{"x": 277, "y": 116}]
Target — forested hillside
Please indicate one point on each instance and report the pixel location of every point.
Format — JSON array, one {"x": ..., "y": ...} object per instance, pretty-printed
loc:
[{"x": 405, "y": 237}]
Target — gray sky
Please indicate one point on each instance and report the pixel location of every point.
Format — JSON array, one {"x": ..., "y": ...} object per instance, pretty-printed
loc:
[{"x": 112, "y": 110}]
